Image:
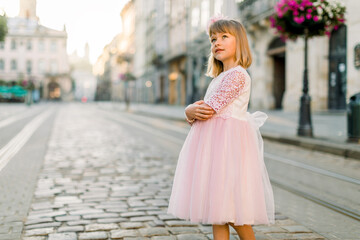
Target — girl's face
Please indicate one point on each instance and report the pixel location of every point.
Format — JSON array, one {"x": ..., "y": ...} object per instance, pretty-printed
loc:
[{"x": 223, "y": 46}]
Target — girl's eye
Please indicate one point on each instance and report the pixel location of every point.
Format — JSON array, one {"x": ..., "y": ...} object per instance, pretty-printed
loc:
[{"x": 212, "y": 40}]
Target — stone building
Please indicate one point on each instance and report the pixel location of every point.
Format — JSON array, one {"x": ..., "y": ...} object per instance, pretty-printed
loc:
[
  {"x": 34, "y": 52},
  {"x": 82, "y": 75},
  {"x": 172, "y": 48},
  {"x": 116, "y": 61},
  {"x": 277, "y": 70},
  {"x": 151, "y": 41}
]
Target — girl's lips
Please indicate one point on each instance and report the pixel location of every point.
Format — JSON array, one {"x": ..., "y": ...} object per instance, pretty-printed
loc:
[{"x": 218, "y": 50}]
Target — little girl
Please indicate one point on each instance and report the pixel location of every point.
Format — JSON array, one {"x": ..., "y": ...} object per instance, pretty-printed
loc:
[{"x": 221, "y": 178}]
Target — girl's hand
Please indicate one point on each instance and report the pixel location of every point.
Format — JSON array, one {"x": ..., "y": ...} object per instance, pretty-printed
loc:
[{"x": 199, "y": 110}]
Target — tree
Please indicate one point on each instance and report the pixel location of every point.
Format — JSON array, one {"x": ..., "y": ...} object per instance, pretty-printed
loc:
[{"x": 3, "y": 27}]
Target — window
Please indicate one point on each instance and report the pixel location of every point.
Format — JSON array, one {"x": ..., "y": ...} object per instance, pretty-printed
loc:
[
  {"x": 28, "y": 66},
  {"x": 2, "y": 45},
  {"x": 13, "y": 44},
  {"x": 167, "y": 7},
  {"x": 13, "y": 65},
  {"x": 205, "y": 13},
  {"x": 29, "y": 45},
  {"x": 41, "y": 66},
  {"x": 41, "y": 45},
  {"x": 54, "y": 67},
  {"x": 2, "y": 65},
  {"x": 195, "y": 15},
  {"x": 53, "y": 46}
]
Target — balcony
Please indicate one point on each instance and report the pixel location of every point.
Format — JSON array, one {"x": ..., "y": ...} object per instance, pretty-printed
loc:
[{"x": 253, "y": 11}]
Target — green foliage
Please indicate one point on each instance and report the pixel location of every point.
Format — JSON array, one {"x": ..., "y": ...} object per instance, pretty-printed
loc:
[
  {"x": 127, "y": 76},
  {"x": 3, "y": 27}
]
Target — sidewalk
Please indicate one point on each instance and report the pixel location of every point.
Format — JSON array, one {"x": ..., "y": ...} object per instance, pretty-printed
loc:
[{"x": 329, "y": 129}]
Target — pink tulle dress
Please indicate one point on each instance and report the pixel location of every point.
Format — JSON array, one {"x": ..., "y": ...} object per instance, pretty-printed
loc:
[{"x": 221, "y": 176}]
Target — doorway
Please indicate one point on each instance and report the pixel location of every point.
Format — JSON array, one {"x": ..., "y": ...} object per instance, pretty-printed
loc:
[
  {"x": 337, "y": 70},
  {"x": 276, "y": 51},
  {"x": 54, "y": 91}
]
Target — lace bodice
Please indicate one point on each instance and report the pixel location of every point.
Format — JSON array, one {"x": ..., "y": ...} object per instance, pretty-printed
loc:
[{"x": 228, "y": 94}]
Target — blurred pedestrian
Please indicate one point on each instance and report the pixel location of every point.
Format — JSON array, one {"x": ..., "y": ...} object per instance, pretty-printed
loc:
[{"x": 221, "y": 178}]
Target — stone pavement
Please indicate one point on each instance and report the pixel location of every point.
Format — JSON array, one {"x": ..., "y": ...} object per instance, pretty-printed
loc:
[
  {"x": 329, "y": 128},
  {"x": 101, "y": 180}
]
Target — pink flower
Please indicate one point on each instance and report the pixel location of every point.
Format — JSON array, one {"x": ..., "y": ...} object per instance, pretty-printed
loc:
[
  {"x": 272, "y": 20},
  {"x": 296, "y": 13},
  {"x": 296, "y": 19},
  {"x": 309, "y": 10},
  {"x": 328, "y": 33},
  {"x": 316, "y": 18},
  {"x": 299, "y": 20},
  {"x": 308, "y": 16},
  {"x": 336, "y": 27},
  {"x": 307, "y": 3}
]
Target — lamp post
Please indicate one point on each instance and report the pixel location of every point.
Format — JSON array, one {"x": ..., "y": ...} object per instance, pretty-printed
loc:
[
  {"x": 295, "y": 18},
  {"x": 126, "y": 100},
  {"x": 305, "y": 126}
]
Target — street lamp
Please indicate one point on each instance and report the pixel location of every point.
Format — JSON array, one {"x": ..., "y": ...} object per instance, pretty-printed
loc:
[{"x": 305, "y": 126}]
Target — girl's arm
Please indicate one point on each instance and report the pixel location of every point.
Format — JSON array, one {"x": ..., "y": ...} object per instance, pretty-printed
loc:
[
  {"x": 230, "y": 88},
  {"x": 198, "y": 111}
]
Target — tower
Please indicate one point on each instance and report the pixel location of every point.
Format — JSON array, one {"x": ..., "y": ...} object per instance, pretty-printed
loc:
[
  {"x": 28, "y": 9},
  {"x": 86, "y": 51}
]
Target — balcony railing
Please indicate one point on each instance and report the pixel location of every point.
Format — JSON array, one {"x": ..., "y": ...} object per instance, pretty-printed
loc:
[{"x": 252, "y": 11}]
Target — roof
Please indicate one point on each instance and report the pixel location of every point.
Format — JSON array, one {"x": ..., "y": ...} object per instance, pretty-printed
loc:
[{"x": 18, "y": 26}]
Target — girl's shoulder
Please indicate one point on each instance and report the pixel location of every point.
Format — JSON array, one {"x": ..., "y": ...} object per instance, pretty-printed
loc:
[{"x": 237, "y": 69}]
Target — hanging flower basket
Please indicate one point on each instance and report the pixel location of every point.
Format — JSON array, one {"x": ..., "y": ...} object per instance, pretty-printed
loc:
[
  {"x": 294, "y": 18},
  {"x": 127, "y": 76}
]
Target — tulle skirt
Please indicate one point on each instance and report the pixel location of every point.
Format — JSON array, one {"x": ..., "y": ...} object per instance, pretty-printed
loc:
[{"x": 221, "y": 176}]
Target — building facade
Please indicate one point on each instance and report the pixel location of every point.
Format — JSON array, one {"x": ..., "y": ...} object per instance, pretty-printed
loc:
[
  {"x": 32, "y": 52},
  {"x": 172, "y": 50},
  {"x": 277, "y": 70},
  {"x": 114, "y": 66}
]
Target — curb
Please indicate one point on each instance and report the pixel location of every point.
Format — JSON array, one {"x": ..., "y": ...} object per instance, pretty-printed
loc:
[{"x": 320, "y": 145}]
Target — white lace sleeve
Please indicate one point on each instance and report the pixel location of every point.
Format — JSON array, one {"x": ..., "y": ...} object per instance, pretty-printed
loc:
[{"x": 230, "y": 88}]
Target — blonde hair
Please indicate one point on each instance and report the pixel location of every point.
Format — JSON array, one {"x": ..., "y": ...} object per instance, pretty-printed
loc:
[{"x": 242, "y": 55}]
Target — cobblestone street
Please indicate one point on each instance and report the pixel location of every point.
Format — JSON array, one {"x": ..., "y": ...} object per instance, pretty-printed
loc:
[{"x": 105, "y": 180}]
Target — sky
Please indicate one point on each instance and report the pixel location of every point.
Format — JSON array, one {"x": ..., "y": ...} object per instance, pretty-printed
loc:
[{"x": 87, "y": 21}]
